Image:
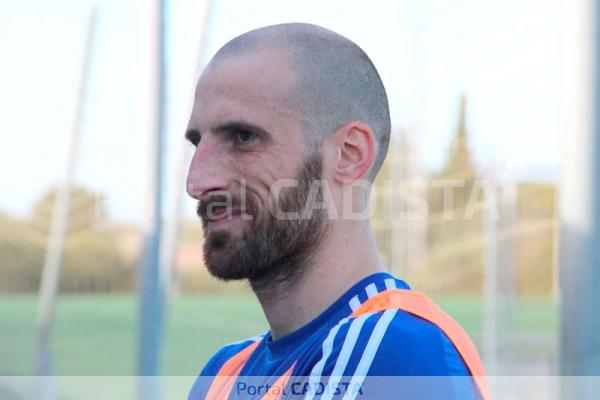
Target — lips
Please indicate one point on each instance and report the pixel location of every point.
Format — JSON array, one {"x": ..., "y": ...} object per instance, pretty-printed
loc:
[
  {"x": 221, "y": 213},
  {"x": 217, "y": 213},
  {"x": 222, "y": 219},
  {"x": 218, "y": 210}
]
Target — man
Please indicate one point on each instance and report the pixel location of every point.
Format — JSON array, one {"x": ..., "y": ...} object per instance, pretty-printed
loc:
[{"x": 291, "y": 125}]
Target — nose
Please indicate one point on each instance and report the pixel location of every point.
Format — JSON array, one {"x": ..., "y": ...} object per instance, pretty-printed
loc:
[{"x": 206, "y": 173}]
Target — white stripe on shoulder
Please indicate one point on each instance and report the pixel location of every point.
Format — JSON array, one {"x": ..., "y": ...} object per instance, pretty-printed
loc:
[
  {"x": 370, "y": 350},
  {"x": 345, "y": 353},
  {"x": 371, "y": 290},
  {"x": 354, "y": 303},
  {"x": 390, "y": 284},
  {"x": 317, "y": 370}
]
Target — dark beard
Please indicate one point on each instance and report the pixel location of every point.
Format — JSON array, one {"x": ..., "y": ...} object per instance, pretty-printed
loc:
[{"x": 273, "y": 253}]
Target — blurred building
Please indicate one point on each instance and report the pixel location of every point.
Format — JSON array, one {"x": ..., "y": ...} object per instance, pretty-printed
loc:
[
  {"x": 444, "y": 248},
  {"x": 455, "y": 238}
]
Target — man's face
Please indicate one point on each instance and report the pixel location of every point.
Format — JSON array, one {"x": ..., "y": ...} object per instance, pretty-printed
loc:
[{"x": 248, "y": 140}]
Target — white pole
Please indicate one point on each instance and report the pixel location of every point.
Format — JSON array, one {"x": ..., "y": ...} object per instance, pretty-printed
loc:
[
  {"x": 506, "y": 271},
  {"x": 172, "y": 228},
  {"x": 60, "y": 217},
  {"x": 398, "y": 209},
  {"x": 490, "y": 288},
  {"x": 579, "y": 204},
  {"x": 151, "y": 291}
]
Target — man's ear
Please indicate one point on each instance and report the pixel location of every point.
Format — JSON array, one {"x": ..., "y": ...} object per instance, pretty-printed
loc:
[{"x": 355, "y": 145}]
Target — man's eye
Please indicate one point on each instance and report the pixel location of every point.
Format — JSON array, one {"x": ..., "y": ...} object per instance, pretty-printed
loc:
[
  {"x": 193, "y": 137},
  {"x": 244, "y": 136}
]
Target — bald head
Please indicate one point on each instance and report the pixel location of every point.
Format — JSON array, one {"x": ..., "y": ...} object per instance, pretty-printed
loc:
[{"x": 335, "y": 83}]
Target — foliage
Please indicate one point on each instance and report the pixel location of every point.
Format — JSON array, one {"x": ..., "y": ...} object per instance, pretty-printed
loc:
[{"x": 92, "y": 258}]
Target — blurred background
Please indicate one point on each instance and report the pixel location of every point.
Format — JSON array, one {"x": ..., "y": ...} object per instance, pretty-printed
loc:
[{"x": 95, "y": 97}]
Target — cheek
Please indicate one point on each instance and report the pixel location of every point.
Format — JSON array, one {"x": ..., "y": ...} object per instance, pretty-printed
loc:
[
  {"x": 282, "y": 165},
  {"x": 251, "y": 173},
  {"x": 262, "y": 172}
]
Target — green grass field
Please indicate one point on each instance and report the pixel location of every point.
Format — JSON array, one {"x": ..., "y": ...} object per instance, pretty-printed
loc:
[{"x": 96, "y": 334}]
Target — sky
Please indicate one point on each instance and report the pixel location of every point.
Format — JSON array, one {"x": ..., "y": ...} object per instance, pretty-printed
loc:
[{"x": 504, "y": 56}]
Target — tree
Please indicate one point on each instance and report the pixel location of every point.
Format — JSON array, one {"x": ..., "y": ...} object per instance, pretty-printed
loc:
[{"x": 92, "y": 260}]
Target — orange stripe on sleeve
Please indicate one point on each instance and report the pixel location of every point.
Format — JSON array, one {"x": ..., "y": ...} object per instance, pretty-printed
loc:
[{"x": 222, "y": 384}]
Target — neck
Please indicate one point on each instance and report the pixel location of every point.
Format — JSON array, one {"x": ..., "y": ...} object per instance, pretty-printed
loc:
[{"x": 345, "y": 256}]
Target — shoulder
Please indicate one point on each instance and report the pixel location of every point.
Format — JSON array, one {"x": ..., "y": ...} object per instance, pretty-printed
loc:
[
  {"x": 214, "y": 364},
  {"x": 411, "y": 345},
  {"x": 390, "y": 342},
  {"x": 407, "y": 335},
  {"x": 394, "y": 343}
]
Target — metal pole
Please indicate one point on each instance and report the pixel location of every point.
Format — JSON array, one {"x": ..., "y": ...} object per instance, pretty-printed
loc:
[
  {"x": 506, "y": 274},
  {"x": 151, "y": 291},
  {"x": 579, "y": 205},
  {"x": 172, "y": 229},
  {"x": 399, "y": 222},
  {"x": 490, "y": 287},
  {"x": 60, "y": 218}
]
